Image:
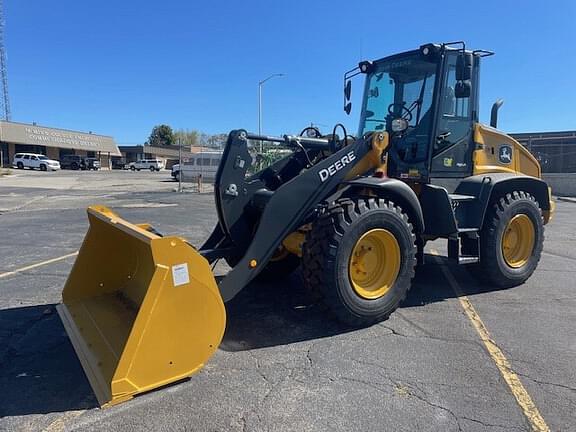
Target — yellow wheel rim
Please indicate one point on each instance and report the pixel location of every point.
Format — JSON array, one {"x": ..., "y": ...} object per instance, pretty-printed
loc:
[
  {"x": 374, "y": 264},
  {"x": 518, "y": 241}
]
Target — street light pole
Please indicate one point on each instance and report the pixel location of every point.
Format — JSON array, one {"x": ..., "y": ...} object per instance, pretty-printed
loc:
[
  {"x": 260, "y": 103},
  {"x": 179, "y": 164}
]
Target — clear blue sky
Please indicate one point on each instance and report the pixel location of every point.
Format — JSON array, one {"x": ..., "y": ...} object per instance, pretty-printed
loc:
[{"x": 120, "y": 67}]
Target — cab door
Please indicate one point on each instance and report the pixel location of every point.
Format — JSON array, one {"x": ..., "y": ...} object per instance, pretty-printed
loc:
[{"x": 452, "y": 145}]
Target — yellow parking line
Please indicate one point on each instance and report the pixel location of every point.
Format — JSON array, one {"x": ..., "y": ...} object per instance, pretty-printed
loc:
[
  {"x": 522, "y": 397},
  {"x": 42, "y": 263}
]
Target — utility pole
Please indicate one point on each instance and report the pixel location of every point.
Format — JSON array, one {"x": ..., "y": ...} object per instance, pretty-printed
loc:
[
  {"x": 4, "y": 100},
  {"x": 260, "y": 104}
]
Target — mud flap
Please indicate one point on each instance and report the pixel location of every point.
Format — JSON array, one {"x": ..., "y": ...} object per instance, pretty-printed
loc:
[{"x": 141, "y": 310}]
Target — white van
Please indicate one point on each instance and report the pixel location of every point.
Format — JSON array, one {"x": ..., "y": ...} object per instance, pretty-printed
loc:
[
  {"x": 148, "y": 164},
  {"x": 204, "y": 163}
]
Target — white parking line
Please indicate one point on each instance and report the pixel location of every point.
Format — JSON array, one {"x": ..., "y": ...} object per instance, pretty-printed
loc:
[{"x": 42, "y": 263}]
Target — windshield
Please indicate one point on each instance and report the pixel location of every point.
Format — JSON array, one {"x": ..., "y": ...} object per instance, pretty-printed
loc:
[{"x": 398, "y": 87}]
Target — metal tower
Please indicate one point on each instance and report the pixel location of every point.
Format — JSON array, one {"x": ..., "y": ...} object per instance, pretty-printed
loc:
[{"x": 4, "y": 99}]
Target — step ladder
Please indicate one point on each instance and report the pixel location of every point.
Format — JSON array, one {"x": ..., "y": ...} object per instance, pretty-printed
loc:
[{"x": 464, "y": 246}]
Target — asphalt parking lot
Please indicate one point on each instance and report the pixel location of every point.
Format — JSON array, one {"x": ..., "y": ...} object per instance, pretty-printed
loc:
[{"x": 285, "y": 364}]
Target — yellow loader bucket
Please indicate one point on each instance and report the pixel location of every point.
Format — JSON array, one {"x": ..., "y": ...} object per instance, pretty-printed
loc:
[{"x": 141, "y": 310}]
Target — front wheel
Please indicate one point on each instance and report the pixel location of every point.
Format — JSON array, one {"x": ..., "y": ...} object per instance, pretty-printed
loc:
[
  {"x": 511, "y": 241},
  {"x": 360, "y": 255},
  {"x": 43, "y": 167},
  {"x": 133, "y": 168}
]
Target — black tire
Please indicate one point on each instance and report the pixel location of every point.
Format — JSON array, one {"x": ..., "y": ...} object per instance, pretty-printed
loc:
[
  {"x": 328, "y": 249},
  {"x": 43, "y": 167},
  {"x": 152, "y": 169},
  {"x": 493, "y": 267},
  {"x": 279, "y": 268},
  {"x": 157, "y": 169},
  {"x": 74, "y": 166},
  {"x": 20, "y": 165},
  {"x": 133, "y": 168}
]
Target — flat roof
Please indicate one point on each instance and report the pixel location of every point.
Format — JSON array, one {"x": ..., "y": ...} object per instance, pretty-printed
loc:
[
  {"x": 551, "y": 134},
  {"x": 31, "y": 134}
]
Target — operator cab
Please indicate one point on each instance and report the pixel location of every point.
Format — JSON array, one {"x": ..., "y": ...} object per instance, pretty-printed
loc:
[{"x": 427, "y": 100}]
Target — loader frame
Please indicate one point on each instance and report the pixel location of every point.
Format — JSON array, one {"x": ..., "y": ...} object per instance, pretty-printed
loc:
[{"x": 283, "y": 210}]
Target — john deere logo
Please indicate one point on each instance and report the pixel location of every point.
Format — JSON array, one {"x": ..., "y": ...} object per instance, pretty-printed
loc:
[{"x": 505, "y": 154}]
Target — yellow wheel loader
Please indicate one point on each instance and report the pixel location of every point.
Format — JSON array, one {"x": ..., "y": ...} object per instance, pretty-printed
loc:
[{"x": 143, "y": 310}]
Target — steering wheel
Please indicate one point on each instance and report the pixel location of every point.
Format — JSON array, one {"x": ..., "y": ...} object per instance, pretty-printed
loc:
[
  {"x": 405, "y": 113},
  {"x": 317, "y": 133}
]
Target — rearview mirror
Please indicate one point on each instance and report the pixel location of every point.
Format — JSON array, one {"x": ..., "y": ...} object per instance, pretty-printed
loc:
[
  {"x": 464, "y": 66},
  {"x": 348, "y": 107},
  {"x": 348, "y": 90},
  {"x": 462, "y": 89}
]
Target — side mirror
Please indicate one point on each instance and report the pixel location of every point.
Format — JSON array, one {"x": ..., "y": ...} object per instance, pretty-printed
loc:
[
  {"x": 348, "y": 107},
  {"x": 462, "y": 89},
  {"x": 348, "y": 90},
  {"x": 347, "y": 94},
  {"x": 464, "y": 66}
]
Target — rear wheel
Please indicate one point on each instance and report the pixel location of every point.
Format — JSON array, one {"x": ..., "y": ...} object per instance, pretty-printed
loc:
[
  {"x": 511, "y": 241},
  {"x": 133, "y": 168},
  {"x": 152, "y": 169},
  {"x": 20, "y": 165},
  {"x": 360, "y": 255},
  {"x": 74, "y": 166}
]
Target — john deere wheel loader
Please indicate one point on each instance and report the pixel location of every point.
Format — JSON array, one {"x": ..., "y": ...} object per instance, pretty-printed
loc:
[{"x": 144, "y": 310}]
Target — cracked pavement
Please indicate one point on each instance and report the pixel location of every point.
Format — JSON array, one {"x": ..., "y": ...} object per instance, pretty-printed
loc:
[{"x": 285, "y": 364}]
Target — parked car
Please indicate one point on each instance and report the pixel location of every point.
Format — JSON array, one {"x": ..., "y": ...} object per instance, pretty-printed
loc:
[
  {"x": 34, "y": 160},
  {"x": 76, "y": 162},
  {"x": 204, "y": 163},
  {"x": 118, "y": 164},
  {"x": 149, "y": 164}
]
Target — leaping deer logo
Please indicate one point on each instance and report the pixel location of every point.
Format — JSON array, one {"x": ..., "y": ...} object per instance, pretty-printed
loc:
[{"x": 505, "y": 154}]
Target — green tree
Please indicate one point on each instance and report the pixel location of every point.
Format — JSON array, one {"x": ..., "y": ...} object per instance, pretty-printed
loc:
[
  {"x": 162, "y": 135},
  {"x": 188, "y": 138}
]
